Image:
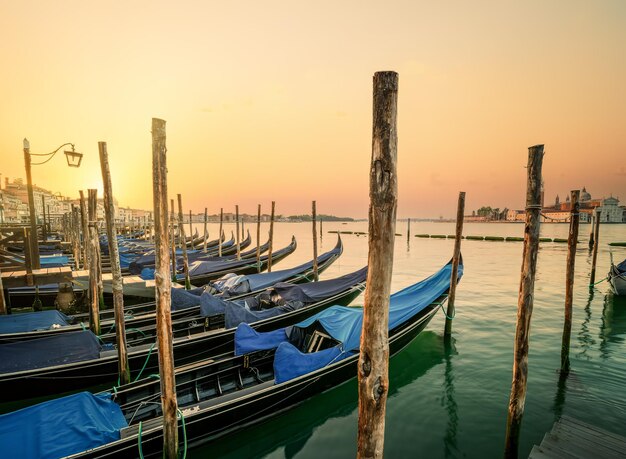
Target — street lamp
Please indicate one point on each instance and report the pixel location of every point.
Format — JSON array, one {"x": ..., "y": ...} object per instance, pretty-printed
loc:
[{"x": 73, "y": 160}]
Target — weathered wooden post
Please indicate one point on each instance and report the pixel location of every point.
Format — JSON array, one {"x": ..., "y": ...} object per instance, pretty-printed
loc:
[
  {"x": 219, "y": 238},
  {"x": 85, "y": 226},
  {"x": 592, "y": 220},
  {"x": 596, "y": 243},
  {"x": 182, "y": 235},
  {"x": 173, "y": 245},
  {"x": 44, "y": 230},
  {"x": 243, "y": 230},
  {"x": 258, "y": 239},
  {"x": 237, "y": 232},
  {"x": 525, "y": 302},
  {"x": 190, "y": 229},
  {"x": 271, "y": 245},
  {"x": 321, "y": 223},
  {"x": 206, "y": 230},
  {"x": 116, "y": 270},
  {"x": 374, "y": 350},
  {"x": 162, "y": 292},
  {"x": 572, "y": 240},
  {"x": 313, "y": 220},
  {"x": 94, "y": 297},
  {"x": 76, "y": 236},
  {"x": 456, "y": 258},
  {"x": 408, "y": 230}
]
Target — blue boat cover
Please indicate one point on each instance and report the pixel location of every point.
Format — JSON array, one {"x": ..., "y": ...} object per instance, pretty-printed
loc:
[
  {"x": 344, "y": 324},
  {"x": 289, "y": 362},
  {"x": 54, "y": 261},
  {"x": 247, "y": 339},
  {"x": 293, "y": 297},
  {"x": 201, "y": 267},
  {"x": 622, "y": 267},
  {"x": 61, "y": 427},
  {"x": 49, "y": 351},
  {"x": 30, "y": 321}
]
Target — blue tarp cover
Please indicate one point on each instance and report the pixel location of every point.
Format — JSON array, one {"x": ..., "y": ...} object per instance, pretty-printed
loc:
[
  {"x": 622, "y": 267},
  {"x": 296, "y": 296},
  {"x": 247, "y": 339},
  {"x": 53, "y": 350},
  {"x": 61, "y": 427},
  {"x": 30, "y": 321},
  {"x": 344, "y": 324}
]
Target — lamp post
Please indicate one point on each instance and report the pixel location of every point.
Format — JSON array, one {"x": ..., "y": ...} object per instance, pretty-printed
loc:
[{"x": 73, "y": 160}]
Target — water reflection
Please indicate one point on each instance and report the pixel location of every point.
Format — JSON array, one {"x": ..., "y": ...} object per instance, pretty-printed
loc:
[
  {"x": 449, "y": 440},
  {"x": 585, "y": 339},
  {"x": 613, "y": 325},
  {"x": 291, "y": 431}
]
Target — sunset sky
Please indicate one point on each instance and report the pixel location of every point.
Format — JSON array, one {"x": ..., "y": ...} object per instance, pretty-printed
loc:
[{"x": 272, "y": 100}]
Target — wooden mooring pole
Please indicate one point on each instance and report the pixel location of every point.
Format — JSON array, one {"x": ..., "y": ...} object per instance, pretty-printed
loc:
[
  {"x": 258, "y": 238},
  {"x": 596, "y": 243},
  {"x": 572, "y": 240},
  {"x": 85, "y": 225},
  {"x": 525, "y": 302},
  {"x": 206, "y": 230},
  {"x": 374, "y": 350},
  {"x": 191, "y": 233},
  {"x": 162, "y": 292},
  {"x": 44, "y": 228},
  {"x": 456, "y": 258},
  {"x": 116, "y": 270},
  {"x": 408, "y": 230},
  {"x": 219, "y": 237},
  {"x": 76, "y": 237},
  {"x": 592, "y": 220},
  {"x": 173, "y": 246},
  {"x": 182, "y": 235},
  {"x": 94, "y": 296},
  {"x": 271, "y": 246},
  {"x": 3, "y": 306},
  {"x": 313, "y": 220},
  {"x": 237, "y": 232}
]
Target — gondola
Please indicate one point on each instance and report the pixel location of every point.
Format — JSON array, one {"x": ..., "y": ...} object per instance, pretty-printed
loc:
[
  {"x": 269, "y": 373},
  {"x": 34, "y": 368},
  {"x": 33, "y": 325},
  {"x": 617, "y": 277}
]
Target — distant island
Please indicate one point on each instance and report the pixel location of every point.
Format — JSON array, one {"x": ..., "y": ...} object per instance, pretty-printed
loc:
[{"x": 326, "y": 218}]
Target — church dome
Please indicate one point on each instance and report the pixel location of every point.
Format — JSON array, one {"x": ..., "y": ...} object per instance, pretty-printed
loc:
[{"x": 584, "y": 196}]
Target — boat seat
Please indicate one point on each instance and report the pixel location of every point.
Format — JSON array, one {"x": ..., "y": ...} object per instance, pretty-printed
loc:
[{"x": 318, "y": 339}]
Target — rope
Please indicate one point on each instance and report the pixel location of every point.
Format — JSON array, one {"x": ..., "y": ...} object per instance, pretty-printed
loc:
[
  {"x": 591, "y": 285},
  {"x": 146, "y": 362},
  {"x": 444, "y": 312},
  {"x": 182, "y": 418}
]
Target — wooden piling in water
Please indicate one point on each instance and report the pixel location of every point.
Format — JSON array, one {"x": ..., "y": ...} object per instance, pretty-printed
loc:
[
  {"x": 162, "y": 292},
  {"x": 173, "y": 245},
  {"x": 94, "y": 297},
  {"x": 525, "y": 302},
  {"x": 191, "y": 233},
  {"x": 184, "y": 239},
  {"x": 572, "y": 240},
  {"x": 313, "y": 220},
  {"x": 206, "y": 230},
  {"x": 321, "y": 230},
  {"x": 3, "y": 306},
  {"x": 44, "y": 230},
  {"x": 596, "y": 243},
  {"x": 85, "y": 226},
  {"x": 258, "y": 239},
  {"x": 456, "y": 258},
  {"x": 408, "y": 230},
  {"x": 374, "y": 349},
  {"x": 592, "y": 222},
  {"x": 219, "y": 246},
  {"x": 75, "y": 236},
  {"x": 116, "y": 270},
  {"x": 271, "y": 246},
  {"x": 237, "y": 232}
]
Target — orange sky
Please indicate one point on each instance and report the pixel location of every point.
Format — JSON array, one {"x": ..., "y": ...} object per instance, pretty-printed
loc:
[{"x": 272, "y": 100}]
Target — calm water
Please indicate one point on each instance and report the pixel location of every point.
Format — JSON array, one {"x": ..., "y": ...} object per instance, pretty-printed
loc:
[{"x": 452, "y": 402}]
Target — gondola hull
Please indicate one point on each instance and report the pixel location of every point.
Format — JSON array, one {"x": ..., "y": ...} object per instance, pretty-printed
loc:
[
  {"x": 617, "y": 279},
  {"x": 206, "y": 421}
]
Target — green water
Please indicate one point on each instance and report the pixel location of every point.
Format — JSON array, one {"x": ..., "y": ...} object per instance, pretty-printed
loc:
[{"x": 452, "y": 401}]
